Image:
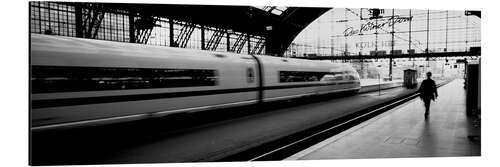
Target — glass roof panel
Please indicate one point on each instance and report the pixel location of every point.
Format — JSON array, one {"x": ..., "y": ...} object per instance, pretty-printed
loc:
[
  {"x": 282, "y": 8},
  {"x": 277, "y": 10}
]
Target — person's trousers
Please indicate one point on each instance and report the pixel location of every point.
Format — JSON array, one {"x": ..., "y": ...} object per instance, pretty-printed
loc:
[{"x": 427, "y": 103}]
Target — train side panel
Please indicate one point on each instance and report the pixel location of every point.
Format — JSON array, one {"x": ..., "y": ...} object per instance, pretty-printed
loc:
[
  {"x": 234, "y": 82},
  {"x": 80, "y": 81}
]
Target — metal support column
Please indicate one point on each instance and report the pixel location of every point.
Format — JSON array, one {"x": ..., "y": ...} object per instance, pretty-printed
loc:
[
  {"x": 202, "y": 28},
  {"x": 228, "y": 45},
  {"x": 248, "y": 44},
  {"x": 78, "y": 21},
  {"x": 171, "y": 33}
]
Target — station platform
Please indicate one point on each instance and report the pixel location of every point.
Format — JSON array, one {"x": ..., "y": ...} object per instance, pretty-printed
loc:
[
  {"x": 404, "y": 132},
  {"x": 371, "y": 82}
]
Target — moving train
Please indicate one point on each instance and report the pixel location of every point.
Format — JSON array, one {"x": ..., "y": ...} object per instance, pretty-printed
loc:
[{"x": 79, "y": 82}]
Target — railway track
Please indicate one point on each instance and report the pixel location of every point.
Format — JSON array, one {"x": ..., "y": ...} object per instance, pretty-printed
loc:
[{"x": 289, "y": 145}]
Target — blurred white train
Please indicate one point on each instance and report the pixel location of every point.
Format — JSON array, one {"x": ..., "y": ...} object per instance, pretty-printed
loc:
[{"x": 79, "y": 82}]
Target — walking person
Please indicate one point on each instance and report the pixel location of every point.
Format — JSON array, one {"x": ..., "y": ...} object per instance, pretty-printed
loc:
[{"x": 428, "y": 92}]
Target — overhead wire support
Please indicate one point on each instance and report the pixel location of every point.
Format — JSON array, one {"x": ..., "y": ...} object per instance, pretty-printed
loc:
[
  {"x": 409, "y": 35},
  {"x": 427, "y": 43},
  {"x": 361, "y": 40},
  {"x": 392, "y": 47}
]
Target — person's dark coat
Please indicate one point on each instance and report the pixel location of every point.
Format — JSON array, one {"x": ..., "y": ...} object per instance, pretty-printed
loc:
[{"x": 428, "y": 89}]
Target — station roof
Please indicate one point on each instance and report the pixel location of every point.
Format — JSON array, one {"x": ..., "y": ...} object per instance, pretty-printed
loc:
[{"x": 280, "y": 25}]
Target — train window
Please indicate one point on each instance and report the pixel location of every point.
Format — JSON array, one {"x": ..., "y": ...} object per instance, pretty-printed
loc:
[
  {"x": 47, "y": 79},
  {"x": 338, "y": 76},
  {"x": 327, "y": 77},
  {"x": 300, "y": 76}
]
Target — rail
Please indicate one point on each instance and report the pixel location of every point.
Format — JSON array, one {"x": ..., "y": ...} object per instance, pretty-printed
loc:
[{"x": 289, "y": 145}]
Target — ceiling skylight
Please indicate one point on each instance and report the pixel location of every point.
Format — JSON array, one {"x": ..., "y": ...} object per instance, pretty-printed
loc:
[{"x": 277, "y": 10}]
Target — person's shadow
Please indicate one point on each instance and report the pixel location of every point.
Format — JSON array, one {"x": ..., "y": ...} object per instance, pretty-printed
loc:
[{"x": 428, "y": 139}]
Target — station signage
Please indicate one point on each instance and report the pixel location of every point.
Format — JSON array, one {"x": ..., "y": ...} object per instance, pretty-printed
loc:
[
  {"x": 372, "y": 44},
  {"x": 379, "y": 23}
]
